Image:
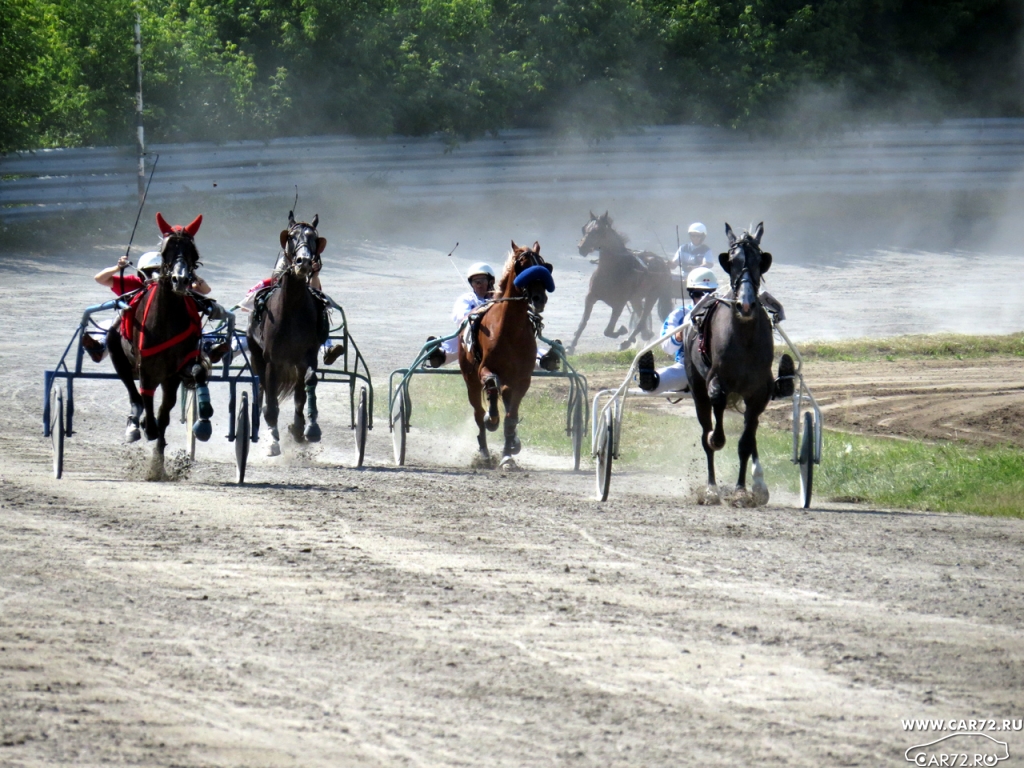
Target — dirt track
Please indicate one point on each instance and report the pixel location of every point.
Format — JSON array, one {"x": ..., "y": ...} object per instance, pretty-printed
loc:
[{"x": 443, "y": 616}]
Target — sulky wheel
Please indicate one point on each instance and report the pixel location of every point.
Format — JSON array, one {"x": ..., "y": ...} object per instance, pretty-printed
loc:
[
  {"x": 399, "y": 429},
  {"x": 605, "y": 448},
  {"x": 57, "y": 430},
  {"x": 576, "y": 427},
  {"x": 361, "y": 425},
  {"x": 242, "y": 436},
  {"x": 190, "y": 415},
  {"x": 807, "y": 461}
]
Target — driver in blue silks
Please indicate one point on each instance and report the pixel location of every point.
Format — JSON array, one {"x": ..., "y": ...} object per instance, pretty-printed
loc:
[
  {"x": 699, "y": 283},
  {"x": 480, "y": 277}
]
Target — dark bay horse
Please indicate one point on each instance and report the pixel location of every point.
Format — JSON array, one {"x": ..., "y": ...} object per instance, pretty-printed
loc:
[
  {"x": 158, "y": 338},
  {"x": 505, "y": 352},
  {"x": 285, "y": 337},
  {"x": 734, "y": 360},
  {"x": 638, "y": 278}
]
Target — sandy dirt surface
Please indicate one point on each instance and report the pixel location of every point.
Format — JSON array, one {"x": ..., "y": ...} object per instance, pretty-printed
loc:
[{"x": 439, "y": 615}]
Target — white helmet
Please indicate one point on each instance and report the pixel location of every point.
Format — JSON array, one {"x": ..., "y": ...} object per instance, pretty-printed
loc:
[
  {"x": 701, "y": 279},
  {"x": 697, "y": 229},
  {"x": 150, "y": 260},
  {"x": 479, "y": 269}
]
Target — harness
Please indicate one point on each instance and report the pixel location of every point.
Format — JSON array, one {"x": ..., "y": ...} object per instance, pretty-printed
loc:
[
  {"x": 470, "y": 327},
  {"x": 129, "y": 322}
]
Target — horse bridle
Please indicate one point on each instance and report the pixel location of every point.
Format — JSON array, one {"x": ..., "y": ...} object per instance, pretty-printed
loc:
[
  {"x": 299, "y": 237},
  {"x": 167, "y": 270},
  {"x": 744, "y": 275}
]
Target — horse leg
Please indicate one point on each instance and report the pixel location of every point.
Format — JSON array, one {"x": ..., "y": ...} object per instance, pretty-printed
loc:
[
  {"x": 588, "y": 307},
  {"x": 148, "y": 389},
  {"x": 298, "y": 426},
  {"x": 708, "y": 495},
  {"x": 475, "y": 390},
  {"x": 202, "y": 429},
  {"x": 168, "y": 399},
  {"x": 637, "y": 327},
  {"x": 609, "y": 329},
  {"x": 125, "y": 372},
  {"x": 312, "y": 432},
  {"x": 748, "y": 450},
  {"x": 492, "y": 385},
  {"x": 270, "y": 409},
  {"x": 512, "y": 444}
]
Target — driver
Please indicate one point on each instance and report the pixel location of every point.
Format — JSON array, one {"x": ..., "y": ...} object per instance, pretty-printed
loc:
[
  {"x": 116, "y": 279},
  {"x": 694, "y": 253},
  {"x": 700, "y": 282},
  {"x": 480, "y": 277}
]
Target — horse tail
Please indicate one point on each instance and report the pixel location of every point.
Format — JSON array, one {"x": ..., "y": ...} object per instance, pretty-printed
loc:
[{"x": 287, "y": 380}]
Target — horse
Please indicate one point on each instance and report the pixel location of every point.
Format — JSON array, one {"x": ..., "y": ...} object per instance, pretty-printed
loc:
[
  {"x": 157, "y": 341},
  {"x": 285, "y": 335},
  {"x": 503, "y": 356},
  {"x": 623, "y": 276},
  {"x": 732, "y": 358}
]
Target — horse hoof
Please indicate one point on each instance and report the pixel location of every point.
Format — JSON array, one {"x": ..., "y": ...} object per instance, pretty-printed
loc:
[
  {"x": 132, "y": 434},
  {"x": 708, "y": 497},
  {"x": 313, "y": 433},
  {"x": 741, "y": 498},
  {"x": 508, "y": 464},
  {"x": 760, "y": 494},
  {"x": 625, "y": 345},
  {"x": 492, "y": 425},
  {"x": 202, "y": 430},
  {"x": 275, "y": 449},
  {"x": 482, "y": 461},
  {"x": 275, "y": 434},
  {"x": 296, "y": 433}
]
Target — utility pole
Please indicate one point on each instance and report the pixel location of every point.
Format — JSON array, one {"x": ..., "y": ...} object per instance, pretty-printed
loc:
[{"x": 140, "y": 139}]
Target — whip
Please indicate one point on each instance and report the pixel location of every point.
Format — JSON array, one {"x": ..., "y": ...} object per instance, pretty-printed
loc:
[
  {"x": 457, "y": 272},
  {"x": 138, "y": 216}
]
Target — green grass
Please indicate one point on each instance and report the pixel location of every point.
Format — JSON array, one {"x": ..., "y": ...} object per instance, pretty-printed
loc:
[
  {"x": 929, "y": 346},
  {"x": 883, "y": 472}
]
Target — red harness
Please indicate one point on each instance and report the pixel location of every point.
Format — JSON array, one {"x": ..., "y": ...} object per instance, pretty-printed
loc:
[{"x": 191, "y": 334}]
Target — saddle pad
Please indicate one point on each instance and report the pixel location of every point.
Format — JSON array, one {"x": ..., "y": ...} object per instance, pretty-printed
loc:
[{"x": 144, "y": 299}]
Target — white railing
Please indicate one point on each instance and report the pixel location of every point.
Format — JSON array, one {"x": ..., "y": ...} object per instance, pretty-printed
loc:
[{"x": 956, "y": 155}]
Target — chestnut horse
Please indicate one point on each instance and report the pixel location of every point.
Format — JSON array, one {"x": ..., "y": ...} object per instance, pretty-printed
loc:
[
  {"x": 505, "y": 351},
  {"x": 158, "y": 339},
  {"x": 638, "y": 278},
  {"x": 286, "y": 337}
]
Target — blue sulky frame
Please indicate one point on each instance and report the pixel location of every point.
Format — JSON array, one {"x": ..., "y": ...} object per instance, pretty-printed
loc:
[
  {"x": 235, "y": 370},
  {"x": 400, "y": 402}
]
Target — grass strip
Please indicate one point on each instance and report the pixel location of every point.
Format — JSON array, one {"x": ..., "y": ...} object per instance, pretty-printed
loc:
[
  {"x": 923, "y": 346},
  {"x": 879, "y": 471}
]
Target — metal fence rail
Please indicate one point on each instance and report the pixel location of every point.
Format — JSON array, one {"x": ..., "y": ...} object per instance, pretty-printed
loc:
[{"x": 961, "y": 155}]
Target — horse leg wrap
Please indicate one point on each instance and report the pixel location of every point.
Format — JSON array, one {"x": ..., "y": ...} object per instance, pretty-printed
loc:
[
  {"x": 203, "y": 401},
  {"x": 312, "y": 432}
]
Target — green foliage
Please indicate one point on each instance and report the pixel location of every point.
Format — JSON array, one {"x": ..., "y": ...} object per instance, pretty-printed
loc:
[
  {"x": 223, "y": 69},
  {"x": 939, "y": 345}
]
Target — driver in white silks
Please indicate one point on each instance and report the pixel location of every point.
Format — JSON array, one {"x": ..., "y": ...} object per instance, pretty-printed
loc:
[
  {"x": 695, "y": 253},
  {"x": 480, "y": 277},
  {"x": 699, "y": 283}
]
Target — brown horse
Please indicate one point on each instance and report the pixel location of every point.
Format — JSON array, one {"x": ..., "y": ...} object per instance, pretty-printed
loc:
[
  {"x": 505, "y": 351},
  {"x": 285, "y": 337},
  {"x": 638, "y": 278},
  {"x": 733, "y": 358},
  {"x": 158, "y": 338}
]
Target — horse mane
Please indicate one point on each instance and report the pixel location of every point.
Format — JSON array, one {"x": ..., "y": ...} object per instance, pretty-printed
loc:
[{"x": 508, "y": 273}]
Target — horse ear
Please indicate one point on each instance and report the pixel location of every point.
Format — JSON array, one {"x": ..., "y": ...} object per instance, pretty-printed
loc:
[
  {"x": 766, "y": 262},
  {"x": 758, "y": 231},
  {"x": 536, "y": 247},
  {"x": 284, "y": 238},
  {"x": 161, "y": 222},
  {"x": 606, "y": 217},
  {"x": 192, "y": 228},
  {"x": 723, "y": 259},
  {"x": 321, "y": 243},
  {"x": 592, "y": 216},
  {"x": 316, "y": 220},
  {"x": 291, "y": 218},
  {"x": 514, "y": 246},
  {"x": 548, "y": 266},
  {"x": 729, "y": 234}
]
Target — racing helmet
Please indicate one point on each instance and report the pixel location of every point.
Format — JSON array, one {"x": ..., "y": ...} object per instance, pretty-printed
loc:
[
  {"x": 697, "y": 229},
  {"x": 702, "y": 279},
  {"x": 480, "y": 268},
  {"x": 149, "y": 261}
]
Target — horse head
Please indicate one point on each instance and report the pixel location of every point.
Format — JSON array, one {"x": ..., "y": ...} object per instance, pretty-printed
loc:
[
  {"x": 179, "y": 254},
  {"x": 527, "y": 274},
  {"x": 598, "y": 234},
  {"x": 302, "y": 245},
  {"x": 745, "y": 262}
]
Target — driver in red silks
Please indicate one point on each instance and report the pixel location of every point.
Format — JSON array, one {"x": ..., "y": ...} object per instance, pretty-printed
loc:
[{"x": 122, "y": 278}]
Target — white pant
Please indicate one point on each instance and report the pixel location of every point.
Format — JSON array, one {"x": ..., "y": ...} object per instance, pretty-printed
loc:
[{"x": 671, "y": 379}]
